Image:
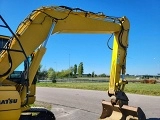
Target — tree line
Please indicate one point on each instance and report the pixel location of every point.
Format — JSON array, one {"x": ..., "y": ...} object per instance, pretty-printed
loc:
[{"x": 72, "y": 72}]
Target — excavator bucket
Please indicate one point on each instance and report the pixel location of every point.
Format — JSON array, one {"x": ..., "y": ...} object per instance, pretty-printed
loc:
[{"x": 111, "y": 112}]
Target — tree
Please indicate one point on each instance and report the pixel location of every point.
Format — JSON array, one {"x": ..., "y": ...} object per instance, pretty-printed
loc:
[
  {"x": 42, "y": 74},
  {"x": 63, "y": 73},
  {"x": 75, "y": 70},
  {"x": 39, "y": 68},
  {"x": 93, "y": 75},
  {"x": 71, "y": 71},
  {"x": 102, "y": 75},
  {"x": 39, "y": 71},
  {"x": 80, "y": 69},
  {"x": 51, "y": 74}
]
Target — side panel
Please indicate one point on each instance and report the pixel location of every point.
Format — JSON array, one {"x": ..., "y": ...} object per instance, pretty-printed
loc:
[
  {"x": 9, "y": 103},
  {"x": 10, "y": 115}
]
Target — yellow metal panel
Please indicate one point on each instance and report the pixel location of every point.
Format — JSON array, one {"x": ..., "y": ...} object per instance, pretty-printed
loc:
[
  {"x": 23, "y": 95},
  {"x": 10, "y": 99},
  {"x": 31, "y": 99},
  {"x": 115, "y": 70},
  {"x": 118, "y": 59},
  {"x": 8, "y": 82},
  {"x": 32, "y": 93},
  {"x": 78, "y": 24},
  {"x": 35, "y": 63},
  {"x": 10, "y": 114},
  {"x": 7, "y": 88},
  {"x": 32, "y": 90}
]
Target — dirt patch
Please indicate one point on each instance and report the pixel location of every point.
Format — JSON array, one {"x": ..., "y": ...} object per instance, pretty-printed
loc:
[{"x": 149, "y": 81}]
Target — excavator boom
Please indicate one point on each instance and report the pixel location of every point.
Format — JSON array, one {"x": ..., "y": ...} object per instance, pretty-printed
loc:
[
  {"x": 37, "y": 26},
  {"x": 30, "y": 39}
]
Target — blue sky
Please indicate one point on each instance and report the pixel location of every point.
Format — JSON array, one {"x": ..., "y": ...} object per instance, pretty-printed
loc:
[{"x": 64, "y": 50}]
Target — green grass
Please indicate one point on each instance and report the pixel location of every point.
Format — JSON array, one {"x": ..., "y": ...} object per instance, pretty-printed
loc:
[
  {"x": 145, "y": 89},
  {"x": 138, "y": 88}
]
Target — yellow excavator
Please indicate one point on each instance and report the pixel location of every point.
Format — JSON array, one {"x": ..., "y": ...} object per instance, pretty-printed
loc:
[{"x": 28, "y": 45}]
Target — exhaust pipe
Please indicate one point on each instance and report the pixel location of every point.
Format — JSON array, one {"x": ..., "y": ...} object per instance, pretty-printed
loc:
[{"x": 126, "y": 112}]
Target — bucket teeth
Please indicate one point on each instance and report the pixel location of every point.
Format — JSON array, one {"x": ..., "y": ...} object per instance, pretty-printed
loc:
[{"x": 125, "y": 113}]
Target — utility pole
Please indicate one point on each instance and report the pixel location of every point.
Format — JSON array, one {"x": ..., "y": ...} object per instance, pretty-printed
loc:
[
  {"x": 56, "y": 69},
  {"x": 69, "y": 61},
  {"x": 69, "y": 66}
]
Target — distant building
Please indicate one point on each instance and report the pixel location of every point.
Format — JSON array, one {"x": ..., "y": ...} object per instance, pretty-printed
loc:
[{"x": 151, "y": 76}]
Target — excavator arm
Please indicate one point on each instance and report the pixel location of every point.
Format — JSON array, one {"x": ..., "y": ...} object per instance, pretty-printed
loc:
[{"x": 32, "y": 34}]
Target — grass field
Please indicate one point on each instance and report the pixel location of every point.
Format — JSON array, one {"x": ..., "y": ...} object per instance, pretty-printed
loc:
[{"x": 138, "y": 88}]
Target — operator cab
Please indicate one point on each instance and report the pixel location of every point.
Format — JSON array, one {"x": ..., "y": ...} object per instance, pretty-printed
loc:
[{"x": 17, "y": 75}]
